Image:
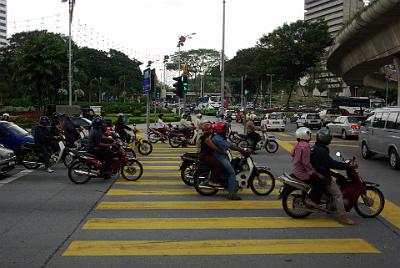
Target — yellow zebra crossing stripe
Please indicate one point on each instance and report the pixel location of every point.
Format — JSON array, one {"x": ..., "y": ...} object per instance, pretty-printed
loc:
[
  {"x": 207, "y": 223},
  {"x": 160, "y": 174},
  {"x": 190, "y": 205},
  {"x": 391, "y": 213},
  {"x": 191, "y": 191},
  {"x": 176, "y": 162},
  {"x": 150, "y": 183},
  {"x": 218, "y": 247}
]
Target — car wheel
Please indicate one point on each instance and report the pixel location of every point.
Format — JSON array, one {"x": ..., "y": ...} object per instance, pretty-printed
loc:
[
  {"x": 365, "y": 152},
  {"x": 344, "y": 134},
  {"x": 394, "y": 159}
]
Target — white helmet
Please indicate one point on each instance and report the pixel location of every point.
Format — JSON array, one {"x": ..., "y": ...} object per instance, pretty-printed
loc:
[
  {"x": 303, "y": 133},
  {"x": 199, "y": 116},
  {"x": 6, "y": 115},
  {"x": 253, "y": 117}
]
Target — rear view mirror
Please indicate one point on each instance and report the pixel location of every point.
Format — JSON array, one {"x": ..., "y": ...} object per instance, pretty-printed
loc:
[{"x": 338, "y": 154}]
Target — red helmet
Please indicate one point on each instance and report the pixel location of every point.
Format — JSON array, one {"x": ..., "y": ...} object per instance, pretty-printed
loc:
[
  {"x": 219, "y": 127},
  {"x": 207, "y": 128}
]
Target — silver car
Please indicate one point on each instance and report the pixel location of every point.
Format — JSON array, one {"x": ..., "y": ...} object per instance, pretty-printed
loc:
[
  {"x": 381, "y": 135},
  {"x": 345, "y": 126}
]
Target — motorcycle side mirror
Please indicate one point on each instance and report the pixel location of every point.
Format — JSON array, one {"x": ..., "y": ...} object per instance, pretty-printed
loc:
[{"x": 338, "y": 154}]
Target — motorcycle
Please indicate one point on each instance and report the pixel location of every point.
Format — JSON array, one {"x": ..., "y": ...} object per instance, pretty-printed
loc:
[
  {"x": 31, "y": 157},
  {"x": 144, "y": 146},
  {"x": 187, "y": 167},
  {"x": 259, "y": 179},
  {"x": 154, "y": 135},
  {"x": 179, "y": 137},
  {"x": 86, "y": 166},
  {"x": 365, "y": 197},
  {"x": 267, "y": 141}
]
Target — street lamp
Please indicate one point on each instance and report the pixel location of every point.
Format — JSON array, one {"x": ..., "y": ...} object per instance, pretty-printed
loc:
[
  {"x": 270, "y": 90},
  {"x": 223, "y": 59},
  {"x": 71, "y": 4}
]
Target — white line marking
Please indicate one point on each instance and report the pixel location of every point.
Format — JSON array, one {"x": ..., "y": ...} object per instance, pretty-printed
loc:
[{"x": 16, "y": 176}]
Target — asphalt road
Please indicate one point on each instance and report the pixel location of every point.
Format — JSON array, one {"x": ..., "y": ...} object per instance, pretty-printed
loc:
[{"x": 47, "y": 221}]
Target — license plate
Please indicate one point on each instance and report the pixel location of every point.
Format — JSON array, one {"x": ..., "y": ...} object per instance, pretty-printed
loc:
[
  {"x": 275, "y": 122},
  {"x": 12, "y": 163}
]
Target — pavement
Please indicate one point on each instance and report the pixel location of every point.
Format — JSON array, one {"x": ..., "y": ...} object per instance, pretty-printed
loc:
[{"x": 158, "y": 221}]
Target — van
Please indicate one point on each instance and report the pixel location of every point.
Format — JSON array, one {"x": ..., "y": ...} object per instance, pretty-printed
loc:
[{"x": 380, "y": 134}]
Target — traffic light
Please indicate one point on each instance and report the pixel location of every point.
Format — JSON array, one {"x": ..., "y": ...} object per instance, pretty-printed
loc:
[
  {"x": 153, "y": 79},
  {"x": 185, "y": 84},
  {"x": 246, "y": 86},
  {"x": 178, "y": 86},
  {"x": 158, "y": 94}
]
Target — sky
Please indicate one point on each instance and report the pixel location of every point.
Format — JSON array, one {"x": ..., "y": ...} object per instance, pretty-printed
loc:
[{"x": 149, "y": 29}]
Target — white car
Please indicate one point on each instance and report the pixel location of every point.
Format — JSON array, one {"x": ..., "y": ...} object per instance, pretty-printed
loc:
[
  {"x": 274, "y": 121},
  {"x": 309, "y": 120}
]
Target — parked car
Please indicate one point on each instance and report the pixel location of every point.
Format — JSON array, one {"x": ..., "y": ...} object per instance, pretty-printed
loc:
[
  {"x": 274, "y": 121},
  {"x": 346, "y": 126},
  {"x": 309, "y": 120},
  {"x": 12, "y": 136},
  {"x": 381, "y": 135},
  {"x": 7, "y": 159}
]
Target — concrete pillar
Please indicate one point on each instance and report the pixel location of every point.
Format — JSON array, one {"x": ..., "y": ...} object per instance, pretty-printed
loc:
[{"x": 396, "y": 62}]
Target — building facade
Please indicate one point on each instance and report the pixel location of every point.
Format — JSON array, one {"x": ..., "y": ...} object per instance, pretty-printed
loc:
[
  {"x": 336, "y": 13},
  {"x": 3, "y": 23}
]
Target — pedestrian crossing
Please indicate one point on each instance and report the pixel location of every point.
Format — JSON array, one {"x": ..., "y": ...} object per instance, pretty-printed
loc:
[{"x": 161, "y": 203}]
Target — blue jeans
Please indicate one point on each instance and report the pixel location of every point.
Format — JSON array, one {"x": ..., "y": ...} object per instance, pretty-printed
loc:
[{"x": 230, "y": 172}]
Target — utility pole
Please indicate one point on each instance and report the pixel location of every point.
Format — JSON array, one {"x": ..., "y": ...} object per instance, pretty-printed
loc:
[
  {"x": 222, "y": 108},
  {"x": 241, "y": 93},
  {"x": 270, "y": 90}
]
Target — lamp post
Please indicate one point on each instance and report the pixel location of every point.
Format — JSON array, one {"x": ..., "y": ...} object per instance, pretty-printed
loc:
[
  {"x": 270, "y": 90},
  {"x": 71, "y": 4},
  {"x": 222, "y": 108}
]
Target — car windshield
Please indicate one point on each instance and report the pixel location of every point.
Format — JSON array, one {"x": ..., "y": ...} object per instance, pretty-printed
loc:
[
  {"x": 354, "y": 120},
  {"x": 313, "y": 116},
  {"x": 14, "y": 129},
  {"x": 276, "y": 116}
]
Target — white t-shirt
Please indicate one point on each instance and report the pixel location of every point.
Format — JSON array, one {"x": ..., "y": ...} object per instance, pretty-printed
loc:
[{"x": 160, "y": 123}]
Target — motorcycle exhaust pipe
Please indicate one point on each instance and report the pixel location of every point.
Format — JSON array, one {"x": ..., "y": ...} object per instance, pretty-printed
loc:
[
  {"x": 82, "y": 172},
  {"x": 212, "y": 188},
  {"x": 33, "y": 163}
]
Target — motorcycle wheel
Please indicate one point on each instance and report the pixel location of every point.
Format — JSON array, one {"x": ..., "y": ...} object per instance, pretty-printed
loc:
[
  {"x": 145, "y": 148},
  {"x": 187, "y": 174},
  {"x": 263, "y": 183},
  {"x": 293, "y": 204},
  {"x": 132, "y": 171},
  {"x": 370, "y": 204},
  {"x": 174, "y": 141},
  {"x": 153, "y": 137},
  {"x": 271, "y": 147},
  {"x": 202, "y": 184},
  {"x": 77, "y": 178},
  {"x": 67, "y": 159},
  {"x": 30, "y": 157},
  {"x": 243, "y": 145},
  {"x": 232, "y": 137}
]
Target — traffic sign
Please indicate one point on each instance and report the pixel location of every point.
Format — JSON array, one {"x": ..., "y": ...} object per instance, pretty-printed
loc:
[{"x": 147, "y": 80}]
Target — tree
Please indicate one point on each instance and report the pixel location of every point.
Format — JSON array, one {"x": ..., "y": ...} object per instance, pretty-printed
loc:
[{"x": 295, "y": 48}]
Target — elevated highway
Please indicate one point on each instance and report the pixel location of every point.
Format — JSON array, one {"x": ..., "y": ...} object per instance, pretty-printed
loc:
[{"x": 369, "y": 42}]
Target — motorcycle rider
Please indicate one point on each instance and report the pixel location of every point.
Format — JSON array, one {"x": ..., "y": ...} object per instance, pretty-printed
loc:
[
  {"x": 6, "y": 117},
  {"x": 98, "y": 147},
  {"x": 302, "y": 168},
  {"x": 162, "y": 127},
  {"x": 220, "y": 140},
  {"x": 43, "y": 141},
  {"x": 252, "y": 135},
  {"x": 323, "y": 163},
  {"x": 121, "y": 128},
  {"x": 71, "y": 134}
]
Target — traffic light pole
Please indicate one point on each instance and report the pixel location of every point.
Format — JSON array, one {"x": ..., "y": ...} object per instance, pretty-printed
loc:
[{"x": 148, "y": 111}]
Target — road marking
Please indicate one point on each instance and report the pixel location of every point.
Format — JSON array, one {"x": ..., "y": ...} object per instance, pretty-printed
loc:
[
  {"x": 161, "y": 154},
  {"x": 192, "y": 149},
  {"x": 190, "y": 205},
  {"x": 161, "y": 174},
  {"x": 344, "y": 145},
  {"x": 148, "y": 167},
  {"x": 150, "y": 182},
  {"x": 159, "y": 162},
  {"x": 16, "y": 176},
  {"x": 391, "y": 213},
  {"x": 207, "y": 223},
  {"x": 285, "y": 145},
  {"x": 161, "y": 157},
  {"x": 281, "y": 134},
  {"x": 218, "y": 247},
  {"x": 191, "y": 191}
]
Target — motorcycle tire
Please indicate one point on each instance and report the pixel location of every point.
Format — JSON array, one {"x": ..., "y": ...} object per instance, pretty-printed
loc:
[
  {"x": 174, "y": 142},
  {"x": 187, "y": 173},
  {"x": 153, "y": 137},
  {"x": 271, "y": 147},
  {"x": 201, "y": 180},
  {"x": 365, "y": 202},
  {"x": 266, "y": 184},
  {"x": 145, "y": 148},
  {"x": 132, "y": 171},
  {"x": 79, "y": 166},
  {"x": 232, "y": 137},
  {"x": 30, "y": 157},
  {"x": 298, "y": 199}
]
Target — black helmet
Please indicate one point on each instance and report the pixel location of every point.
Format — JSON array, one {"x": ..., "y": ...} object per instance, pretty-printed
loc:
[
  {"x": 324, "y": 136},
  {"x": 44, "y": 120},
  {"x": 98, "y": 122}
]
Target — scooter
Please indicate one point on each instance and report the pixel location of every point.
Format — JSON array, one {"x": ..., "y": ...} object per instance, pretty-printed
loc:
[
  {"x": 365, "y": 197},
  {"x": 31, "y": 158},
  {"x": 259, "y": 179},
  {"x": 267, "y": 142}
]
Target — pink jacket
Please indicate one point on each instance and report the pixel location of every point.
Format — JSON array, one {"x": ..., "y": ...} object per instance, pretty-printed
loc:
[{"x": 302, "y": 168}]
